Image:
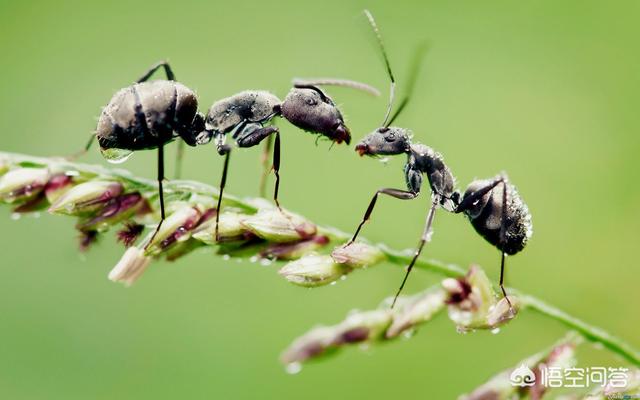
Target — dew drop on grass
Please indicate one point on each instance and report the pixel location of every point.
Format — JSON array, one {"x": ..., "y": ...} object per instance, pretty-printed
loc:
[
  {"x": 226, "y": 257},
  {"x": 333, "y": 283},
  {"x": 408, "y": 334},
  {"x": 293, "y": 368},
  {"x": 495, "y": 331},
  {"x": 265, "y": 262},
  {"x": 253, "y": 259},
  {"x": 16, "y": 216}
]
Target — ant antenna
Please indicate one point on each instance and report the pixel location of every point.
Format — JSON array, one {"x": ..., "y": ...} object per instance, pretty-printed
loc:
[
  {"x": 392, "y": 89},
  {"x": 418, "y": 56},
  {"x": 299, "y": 82}
]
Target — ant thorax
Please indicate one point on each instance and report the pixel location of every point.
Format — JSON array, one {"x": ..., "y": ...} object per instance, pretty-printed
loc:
[{"x": 431, "y": 163}]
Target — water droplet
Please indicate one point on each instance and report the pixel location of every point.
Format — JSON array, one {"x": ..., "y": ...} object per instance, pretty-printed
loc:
[
  {"x": 495, "y": 331},
  {"x": 226, "y": 257},
  {"x": 333, "y": 283},
  {"x": 16, "y": 216},
  {"x": 293, "y": 368},
  {"x": 343, "y": 278},
  {"x": 253, "y": 259},
  {"x": 116, "y": 156},
  {"x": 408, "y": 334},
  {"x": 265, "y": 262}
]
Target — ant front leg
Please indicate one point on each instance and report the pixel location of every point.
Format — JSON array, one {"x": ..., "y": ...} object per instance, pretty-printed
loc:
[
  {"x": 397, "y": 193},
  {"x": 154, "y": 68}
]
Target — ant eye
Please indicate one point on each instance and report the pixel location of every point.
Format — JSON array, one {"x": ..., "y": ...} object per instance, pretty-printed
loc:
[
  {"x": 310, "y": 101},
  {"x": 390, "y": 137}
]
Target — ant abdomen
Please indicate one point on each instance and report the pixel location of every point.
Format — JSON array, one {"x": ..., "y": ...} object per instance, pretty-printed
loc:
[
  {"x": 146, "y": 115},
  {"x": 503, "y": 219}
]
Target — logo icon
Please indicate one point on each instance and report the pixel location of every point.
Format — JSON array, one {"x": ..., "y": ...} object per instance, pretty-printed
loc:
[{"x": 522, "y": 376}]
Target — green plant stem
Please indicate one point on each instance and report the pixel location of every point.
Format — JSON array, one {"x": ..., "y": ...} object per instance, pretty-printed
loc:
[
  {"x": 185, "y": 189},
  {"x": 590, "y": 332}
]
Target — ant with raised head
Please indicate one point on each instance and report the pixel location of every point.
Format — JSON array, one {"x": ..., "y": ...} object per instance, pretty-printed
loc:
[
  {"x": 506, "y": 225},
  {"x": 248, "y": 114}
]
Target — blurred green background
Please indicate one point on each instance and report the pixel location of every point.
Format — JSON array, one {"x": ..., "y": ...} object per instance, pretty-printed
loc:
[{"x": 546, "y": 90}]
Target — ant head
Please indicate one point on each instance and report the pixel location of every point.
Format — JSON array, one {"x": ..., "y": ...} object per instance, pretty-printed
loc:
[
  {"x": 193, "y": 135},
  {"x": 385, "y": 141},
  {"x": 312, "y": 110}
]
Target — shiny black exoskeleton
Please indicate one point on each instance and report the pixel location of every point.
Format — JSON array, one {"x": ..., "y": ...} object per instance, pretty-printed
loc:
[
  {"x": 148, "y": 115},
  {"x": 494, "y": 207},
  {"x": 247, "y": 117},
  {"x": 497, "y": 212}
]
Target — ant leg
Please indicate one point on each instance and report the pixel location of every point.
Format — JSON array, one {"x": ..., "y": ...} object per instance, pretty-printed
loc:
[
  {"x": 397, "y": 193},
  {"x": 264, "y": 160},
  {"x": 223, "y": 182},
  {"x": 503, "y": 234},
  {"x": 251, "y": 135},
  {"x": 504, "y": 292},
  {"x": 160, "y": 192},
  {"x": 84, "y": 151},
  {"x": 179, "y": 155},
  {"x": 276, "y": 169},
  {"x": 154, "y": 68},
  {"x": 426, "y": 237},
  {"x": 477, "y": 195}
]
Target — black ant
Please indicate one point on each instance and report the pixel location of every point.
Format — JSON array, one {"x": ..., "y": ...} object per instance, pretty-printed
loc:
[
  {"x": 148, "y": 115},
  {"x": 248, "y": 114},
  {"x": 506, "y": 225}
]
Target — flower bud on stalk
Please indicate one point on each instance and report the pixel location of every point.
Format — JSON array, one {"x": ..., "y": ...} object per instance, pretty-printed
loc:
[
  {"x": 614, "y": 390},
  {"x": 23, "y": 184},
  {"x": 472, "y": 302},
  {"x": 295, "y": 250},
  {"x": 86, "y": 198},
  {"x": 114, "y": 211},
  {"x": 358, "y": 255},
  {"x": 313, "y": 270},
  {"x": 130, "y": 267},
  {"x": 175, "y": 228},
  {"x": 230, "y": 228},
  {"x": 415, "y": 310},
  {"x": 4, "y": 166},
  {"x": 57, "y": 186},
  {"x": 357, "y": 328},
  {"x": 272, "y": 225},
  {"x": 525, "y": 380}
]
